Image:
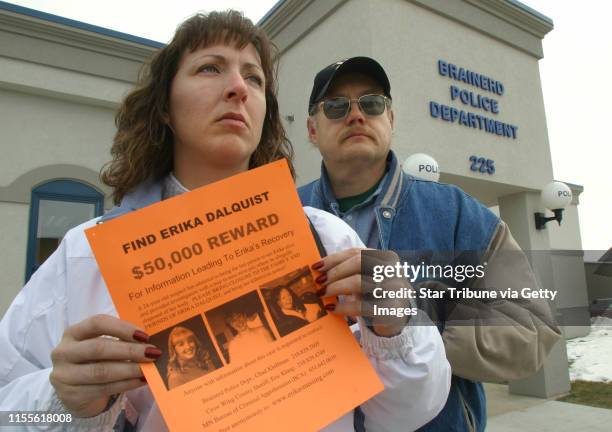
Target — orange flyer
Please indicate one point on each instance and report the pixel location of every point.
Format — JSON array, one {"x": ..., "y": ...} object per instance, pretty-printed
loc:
[{"x": 220, "y": 278}]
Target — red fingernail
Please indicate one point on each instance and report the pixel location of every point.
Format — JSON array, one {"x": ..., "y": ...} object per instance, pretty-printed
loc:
[
  {"x": 143, "y": 379},
  {"x": 322, "y": 292},
  {"x": 330, "y": 307},
  {"x": 140, "y": 336},
  {"x": 318, "y": 265},
  {"x": 152, "y": 352},
  {"x": 321, "y": 279}
]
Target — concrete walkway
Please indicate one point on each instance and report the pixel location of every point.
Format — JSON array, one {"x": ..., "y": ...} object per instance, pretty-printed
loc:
[{"x": 512, "y": 413}]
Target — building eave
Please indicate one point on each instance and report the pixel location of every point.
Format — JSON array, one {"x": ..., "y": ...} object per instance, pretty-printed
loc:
[
  {"x": 509, "y": 21},
  {"x": 518, "y": 14},
  {"x": 53, "y": 28}
]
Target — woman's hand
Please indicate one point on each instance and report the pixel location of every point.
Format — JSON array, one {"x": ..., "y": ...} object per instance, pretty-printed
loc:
[
  {"x": 346, "y": 273},
  {"x": 89, "y": 366}
]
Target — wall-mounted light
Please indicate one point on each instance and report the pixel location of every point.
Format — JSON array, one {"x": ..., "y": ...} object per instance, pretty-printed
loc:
[
  {"x": 555, "y": 196},
  {"x": 422, "y": 165}
]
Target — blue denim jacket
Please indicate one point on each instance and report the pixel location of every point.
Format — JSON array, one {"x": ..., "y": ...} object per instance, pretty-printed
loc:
[{"x": 418, "y": 215}]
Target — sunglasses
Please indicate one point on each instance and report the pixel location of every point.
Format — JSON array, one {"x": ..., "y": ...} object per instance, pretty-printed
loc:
[{"x": 338, "y": 107}]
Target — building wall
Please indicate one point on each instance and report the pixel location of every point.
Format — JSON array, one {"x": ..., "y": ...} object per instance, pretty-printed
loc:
[
  {"x": 409, "y": 41},
  {"x": 566, "y": 236},
  {"x": 569, "y": 273},
  {"x": 599, "y": 287},
  {"x": 572, "y": 301},
  {"x": 51, "y": 131},
  {"x": 14, "y": 239},
  {"x": 60, "y": 86}
]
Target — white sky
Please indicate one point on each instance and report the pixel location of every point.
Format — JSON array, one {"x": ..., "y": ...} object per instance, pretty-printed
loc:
[{"x": 575, "y": 80}]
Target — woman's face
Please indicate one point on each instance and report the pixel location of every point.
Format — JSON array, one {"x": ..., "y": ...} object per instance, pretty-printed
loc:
[
  {"x": 217, "y": 107},
  {"x": 185, "y": 346},
  {"x": 285, "y": 301}
]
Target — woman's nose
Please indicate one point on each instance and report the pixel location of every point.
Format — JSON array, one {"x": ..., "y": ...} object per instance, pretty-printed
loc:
[{"x": 236, "y": 87}]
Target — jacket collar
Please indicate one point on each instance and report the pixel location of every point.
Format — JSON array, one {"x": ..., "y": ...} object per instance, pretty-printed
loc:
[
  {"x": 391, "y": 187},
  {"x": 393, "y": 183}
]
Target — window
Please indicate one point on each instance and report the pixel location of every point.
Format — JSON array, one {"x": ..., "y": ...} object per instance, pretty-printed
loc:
[{"x": 56, "y": 207}]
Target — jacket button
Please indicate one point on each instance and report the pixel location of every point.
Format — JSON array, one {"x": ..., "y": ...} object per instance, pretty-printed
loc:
[{"x": 386, "y": 214}]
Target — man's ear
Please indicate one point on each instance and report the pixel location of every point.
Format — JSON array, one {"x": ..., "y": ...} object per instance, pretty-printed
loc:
[
  {"x": 391, "y": 118},
  {"x": 312, "y": 130}
]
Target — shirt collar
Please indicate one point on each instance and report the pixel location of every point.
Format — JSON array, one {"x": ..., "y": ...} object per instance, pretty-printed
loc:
[
  {"x": 171, "y": 187},
  {"x": 328, "y": 193}
]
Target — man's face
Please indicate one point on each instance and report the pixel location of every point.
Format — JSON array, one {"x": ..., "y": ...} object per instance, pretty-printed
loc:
[{"x": 356, "y": 138}]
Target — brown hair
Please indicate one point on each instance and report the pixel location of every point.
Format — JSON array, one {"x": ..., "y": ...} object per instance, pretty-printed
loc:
[{"x": 143, "y": 145}]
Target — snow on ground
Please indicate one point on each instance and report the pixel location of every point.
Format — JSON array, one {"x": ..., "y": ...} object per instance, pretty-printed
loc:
[{"x": 591, "y": 356}]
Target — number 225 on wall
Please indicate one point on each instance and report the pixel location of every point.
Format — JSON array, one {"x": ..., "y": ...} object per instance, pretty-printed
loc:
[{"x": 482, "y": 165}]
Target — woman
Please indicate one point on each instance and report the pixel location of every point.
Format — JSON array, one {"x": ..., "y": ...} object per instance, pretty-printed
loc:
[
  {"x": 206, "y": 109},
  {"x": 246, "y": 338},
  {"x": 293, "y": 313},
  {"x": 187, "y": 360}
]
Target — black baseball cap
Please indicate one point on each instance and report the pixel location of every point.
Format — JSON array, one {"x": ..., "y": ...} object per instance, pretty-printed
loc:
[{"x": 364, "y": 65}]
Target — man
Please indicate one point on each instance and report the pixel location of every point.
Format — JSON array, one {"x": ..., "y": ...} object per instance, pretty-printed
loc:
[{"x": 351, "y": 123}]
